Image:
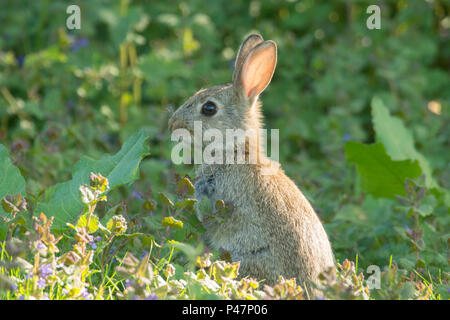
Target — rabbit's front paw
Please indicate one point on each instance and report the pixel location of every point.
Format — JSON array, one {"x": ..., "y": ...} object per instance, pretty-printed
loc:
[{"x": 204, "y": 187}]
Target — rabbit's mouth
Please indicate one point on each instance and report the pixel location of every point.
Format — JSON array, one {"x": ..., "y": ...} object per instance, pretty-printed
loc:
[{"x": 177, "y": 124}]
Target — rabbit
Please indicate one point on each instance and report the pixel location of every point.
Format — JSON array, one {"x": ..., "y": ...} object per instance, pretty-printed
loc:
[{"x": 271, "y": 228}]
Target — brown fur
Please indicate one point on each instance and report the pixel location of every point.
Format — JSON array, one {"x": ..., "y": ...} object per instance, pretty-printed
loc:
[{"x": 272, "y": 228}]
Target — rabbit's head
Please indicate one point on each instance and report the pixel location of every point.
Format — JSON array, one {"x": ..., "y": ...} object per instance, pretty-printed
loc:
[{"x": 233, "y": 105}]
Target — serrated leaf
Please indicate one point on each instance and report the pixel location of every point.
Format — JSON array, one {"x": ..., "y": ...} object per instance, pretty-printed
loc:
[
  {"x": 122, "y": 168},
  {"x": 397, "y": 139},
  {"x": 11, "y": 181},
  {"x": 380, "y": 175},
  {"x": 94, "y": 222}
]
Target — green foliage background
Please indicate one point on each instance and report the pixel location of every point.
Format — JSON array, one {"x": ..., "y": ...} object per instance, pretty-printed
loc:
[{"x": 65, "y": 94}]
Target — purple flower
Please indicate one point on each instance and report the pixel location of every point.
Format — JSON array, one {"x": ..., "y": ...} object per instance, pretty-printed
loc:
[
  {"x": 346, "y": 137},
  {"x": 20, "y": 60},
  {"x": 40, "y": 246},
  {"x": 13, "y": 287},
  {"x": 45, "y": 270},
  {"x": 98, "y": 238},
  {"x": 41, "y": 283},
  {"x": 93, "y": 245},
  {"x": 79, "y": 43},
  {"x": 128, "y": 283},
  {"x": 85, "y": 293},
  {"x": 137, "y": 195},
  {"x": 144, "y": 253},
  {"x": 408, "y": 229},
  {"x": 65, "y": 291},
  {"x": 152, "y": 297},
  {"x": 29, "y": 276}
]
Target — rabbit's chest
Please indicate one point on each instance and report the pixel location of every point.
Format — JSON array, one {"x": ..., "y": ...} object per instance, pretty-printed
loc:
[
  {"x": 216, "y": 187},
  {"x": 222, "y": 184},
  {"x": 230, "y": 229}
]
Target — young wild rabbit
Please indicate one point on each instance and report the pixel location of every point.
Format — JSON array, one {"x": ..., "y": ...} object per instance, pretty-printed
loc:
[{"x": 272, "y": 228}]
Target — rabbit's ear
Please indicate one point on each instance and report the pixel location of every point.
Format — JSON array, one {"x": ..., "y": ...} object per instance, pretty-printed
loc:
[
  {"x": 249, "y": 43},
  {"x": 257, "y": 70}
]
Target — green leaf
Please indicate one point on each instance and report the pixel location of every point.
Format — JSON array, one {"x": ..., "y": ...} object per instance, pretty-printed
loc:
[
  {"x": 165, "y": 199},
  {"x": 380, "y": 175},
  {"x": 63, "y": 201},
  {"x": 191, "y": 252},
  {"x": 131, "y": 235},
  {"x": 184, "y": 186},
  {"x": 186, "y": 203},
  {"x": 221, "y": 270},
  {"x": 397, "y": 139},
  {"x": 149, "y": 241},
  {"x": 153, "y": 223},
  {"x": 11, "y": 181},
  {"x": 94, "y": 222},
  {"x": 427, "y": 206}
]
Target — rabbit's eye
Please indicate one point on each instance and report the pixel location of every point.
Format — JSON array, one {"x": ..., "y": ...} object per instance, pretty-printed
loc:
[{"x": 209, "y": 108}]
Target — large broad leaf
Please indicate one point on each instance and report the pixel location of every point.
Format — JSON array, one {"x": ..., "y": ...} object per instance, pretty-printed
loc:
[
  {"x": 11, "y": 181},
  {"x": 63, "y": 200},
  {"x": 397, "y": 139},
  {"x": 380, "y": 175}
]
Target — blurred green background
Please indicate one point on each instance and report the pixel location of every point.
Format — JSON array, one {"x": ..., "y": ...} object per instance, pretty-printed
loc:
[{"x": 66, "y": 93}]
